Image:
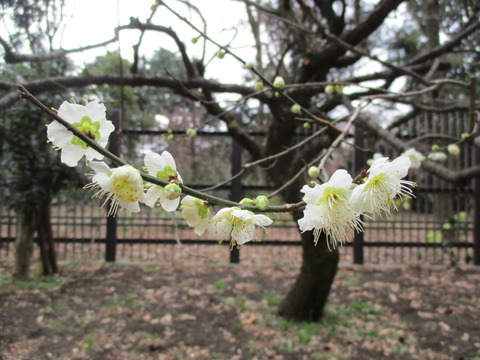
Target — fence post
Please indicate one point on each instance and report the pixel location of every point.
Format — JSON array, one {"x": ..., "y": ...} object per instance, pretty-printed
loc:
[
  {"x": 113, "y": 147},
  {"x": 476, "y": 209},
  {"x": 358, "y": 165},
  {"x": 236, "y": 190}
]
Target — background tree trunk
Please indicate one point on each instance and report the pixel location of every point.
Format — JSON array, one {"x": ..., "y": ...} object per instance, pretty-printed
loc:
[
  {"x": 26, "y": 224},
  {"x": 45, "y": 241},
  {"x": 308, "y": 296}
]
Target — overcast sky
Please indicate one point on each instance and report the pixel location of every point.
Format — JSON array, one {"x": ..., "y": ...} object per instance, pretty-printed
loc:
[{"x": 93, "y": 21}]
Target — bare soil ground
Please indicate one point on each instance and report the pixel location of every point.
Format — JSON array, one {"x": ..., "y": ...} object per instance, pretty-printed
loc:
[{"x": 131, "y": 311}]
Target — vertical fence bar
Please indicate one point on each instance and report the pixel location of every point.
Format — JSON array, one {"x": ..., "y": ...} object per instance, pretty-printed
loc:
[
  {"x": 236, "y": 190},
  {"x": 476, "y": 209},
  {"x": 111, "y": 236},
  {"x": 358, "y": 164}
]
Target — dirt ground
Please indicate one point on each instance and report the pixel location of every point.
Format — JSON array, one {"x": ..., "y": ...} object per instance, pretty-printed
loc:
[{"x": 131, "y": 311}]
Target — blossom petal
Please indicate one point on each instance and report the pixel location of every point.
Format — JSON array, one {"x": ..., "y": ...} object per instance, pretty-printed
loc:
[{"x": 152, "y": 195}]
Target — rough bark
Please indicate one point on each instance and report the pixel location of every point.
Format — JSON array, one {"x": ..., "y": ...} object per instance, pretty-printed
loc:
[
  {"x": 45, "y": 241},
  {"x": 26, "y": 224},
  {"x": 307, "y": 298}
]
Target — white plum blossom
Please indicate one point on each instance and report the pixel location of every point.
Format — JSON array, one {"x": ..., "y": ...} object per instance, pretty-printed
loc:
[
  {"x": 240, "y": 224},
  {"x": 328, "y": 209},
  {"x": 382, "y": 184},
  {"x": 162, "y": 167},
  {"x": 90, "y": 119},
  {"x": 196, "y": 213},
  {"x": 437, "y": 156},
  {"x": 415, "y": 157},
  {"x": 123, "y": 186}
]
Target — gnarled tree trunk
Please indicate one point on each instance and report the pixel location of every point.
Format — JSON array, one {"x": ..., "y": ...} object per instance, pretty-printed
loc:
[
  {"x": 26, "y": 225},
  {"x": 45, "y": 241},
  {"x": 307, "y": 298}
]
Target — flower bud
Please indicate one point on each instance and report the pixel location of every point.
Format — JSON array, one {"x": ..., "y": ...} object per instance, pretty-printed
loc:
[
  {"x": 221, "y": 54},
  {"x": 465, "y": 136},
  {"x": 296, "y": 109},
  {"x": 279, "y": 83},
  {"x": 437, "y": 156},
  {"x": 246, "y": 201},
  {"x": 172, "y": 191},
  {"x": 329, "y": 89},
  {"x": 461, "y": 216},
  {"x": 258, "y": 86},
  {"x": 249, "y": 65},
  {"x": 306, "y": 125},
  {"x": 435, "y": 147},
  {"x": 453, "y": 149},
  {"x": 261, "y": 202},
  {"x": 194, "y": 39},
  {"x": 313, "y": 172},
  {"x": 191, "y": 132},
  {"x": 447, "y": 226},
  {"x": 339, "y": 88}
]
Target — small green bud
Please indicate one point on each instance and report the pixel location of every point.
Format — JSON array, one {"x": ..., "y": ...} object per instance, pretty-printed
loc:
[
  {"x": 329, "y": 89},
  {"x": 306, "y": 125},
  {"x": 249, "y": 65},
  {"x": 247, "y": 201},
  {"x": 278, "y": 95},
  {"x": 461, "y": 216},
  {"x": 279, "y": 83},
  {"x": 221, "y": 54},
  {"x": 191, "y": 132},
  {"x": 296, "y": 109},
  {"x": 447, "y": 226},
  {"x": 339, "y": 88},
  {"x": 453, "y": 149},
  {"x": 435, "y": 147},
  {"x": 261, "y": 202},
  {"x": 194, "y": 39},
  {"x": 313, "y": 172},
  {"x": 172, "y": 191},
  {"x": 154, "y": 7},
  {"x": 465, "y": 136},
  {"x": 258, "y": 86}
]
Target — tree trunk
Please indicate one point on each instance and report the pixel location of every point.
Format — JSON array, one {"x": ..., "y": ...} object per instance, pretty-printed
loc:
[
  {"x": 308, "y": 296},
  {"x": 45, "y": 241},
  {"x": 26, "y": 224}
]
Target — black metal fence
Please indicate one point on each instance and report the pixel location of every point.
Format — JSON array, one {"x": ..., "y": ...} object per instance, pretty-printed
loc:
[{"x": 435, "y": 228}]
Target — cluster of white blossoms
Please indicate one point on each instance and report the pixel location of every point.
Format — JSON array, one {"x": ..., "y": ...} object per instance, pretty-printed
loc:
[
  {"x": 333, "y": 208},
  {"x": 124, "y": 188}
]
